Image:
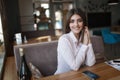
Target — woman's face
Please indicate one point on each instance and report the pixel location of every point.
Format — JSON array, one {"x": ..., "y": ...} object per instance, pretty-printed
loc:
[{"x": 76, "y": 24}]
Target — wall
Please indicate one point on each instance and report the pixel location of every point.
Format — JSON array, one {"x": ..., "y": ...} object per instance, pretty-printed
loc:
[
  {"x": 115, "y": 14},
  {"x": 12, "y": 23},
  {"x": 100, "y": 6},
  {"x": 26, "y": 15}
]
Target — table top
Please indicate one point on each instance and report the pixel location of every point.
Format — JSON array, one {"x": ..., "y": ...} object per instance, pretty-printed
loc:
[
  {"x": 105, "y": 72},
  {"x": 39, "y": 40}
]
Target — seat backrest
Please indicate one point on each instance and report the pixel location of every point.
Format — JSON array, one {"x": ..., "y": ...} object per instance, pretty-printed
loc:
[
  {"x": 108, "y": 37},
  {"x": 98, "y": 46},
  {"x": 42, "y": 55}
]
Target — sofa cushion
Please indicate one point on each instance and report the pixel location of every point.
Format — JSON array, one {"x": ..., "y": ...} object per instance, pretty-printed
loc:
[
  {"x": 36, "y": 74},
  {"x": 43, "y": 55},
  {"x": 98, "y": 47}
]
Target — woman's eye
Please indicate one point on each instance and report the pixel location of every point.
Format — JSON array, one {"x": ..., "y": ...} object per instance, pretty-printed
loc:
[
  {"x": 80, "y": 20},
  {"x": 71, "y": 21}
]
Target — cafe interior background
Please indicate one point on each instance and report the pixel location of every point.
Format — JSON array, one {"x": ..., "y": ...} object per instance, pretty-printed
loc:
[{"x": 38, "y": 18}]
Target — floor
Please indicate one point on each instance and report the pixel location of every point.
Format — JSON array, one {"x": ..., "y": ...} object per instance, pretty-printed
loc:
[{"x": 10, "y": 69}]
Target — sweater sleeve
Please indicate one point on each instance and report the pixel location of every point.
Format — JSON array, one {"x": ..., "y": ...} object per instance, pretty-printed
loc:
[
  {"x": 65, "y": 49},
  {"x": 90, "y": 56}
]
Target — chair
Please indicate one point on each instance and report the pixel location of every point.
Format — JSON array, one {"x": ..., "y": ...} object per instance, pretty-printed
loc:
[
  {"x": 108, "y": 37},
  {"x": 111, "y": 43}
]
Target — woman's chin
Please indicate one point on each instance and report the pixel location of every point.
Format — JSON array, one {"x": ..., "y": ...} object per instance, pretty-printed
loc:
[{"x": 77, "y": 32}]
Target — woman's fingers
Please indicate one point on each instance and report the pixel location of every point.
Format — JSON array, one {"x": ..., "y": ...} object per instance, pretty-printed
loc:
[
  {"x": 85, "y": 41},
  {"x": 86, "y": 36}
]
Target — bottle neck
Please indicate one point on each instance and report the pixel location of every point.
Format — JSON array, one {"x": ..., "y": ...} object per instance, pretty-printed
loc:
[{"x": 22, "y": 58}]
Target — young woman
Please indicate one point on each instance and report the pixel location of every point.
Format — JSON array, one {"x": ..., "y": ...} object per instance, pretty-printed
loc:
[{"x": 74, "y": 47}]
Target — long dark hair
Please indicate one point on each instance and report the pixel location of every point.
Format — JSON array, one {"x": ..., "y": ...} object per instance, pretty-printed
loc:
[{"x": 72, "y": 12}]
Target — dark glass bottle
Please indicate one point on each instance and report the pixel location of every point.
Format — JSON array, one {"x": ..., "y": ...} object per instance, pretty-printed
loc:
[{"x": 24, "y": 72}]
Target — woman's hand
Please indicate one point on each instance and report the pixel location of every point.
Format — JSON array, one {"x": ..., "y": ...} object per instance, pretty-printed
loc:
[{"x": 86, "y": 39}]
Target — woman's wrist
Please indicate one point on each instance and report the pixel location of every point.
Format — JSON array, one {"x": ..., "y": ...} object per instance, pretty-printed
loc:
[{"x": 89, "y": 41}]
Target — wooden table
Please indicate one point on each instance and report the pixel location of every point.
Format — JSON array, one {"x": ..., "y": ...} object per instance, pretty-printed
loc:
[
  {"x": 39, "y": 39},
  {"x": 105, "y": 72}
]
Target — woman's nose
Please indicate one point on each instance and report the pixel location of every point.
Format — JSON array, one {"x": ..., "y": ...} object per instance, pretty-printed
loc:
[{"x": 76, "y": 23}]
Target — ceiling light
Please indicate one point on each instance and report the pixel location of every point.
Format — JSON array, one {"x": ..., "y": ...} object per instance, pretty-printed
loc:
[{"x": 113, "y": 2}]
